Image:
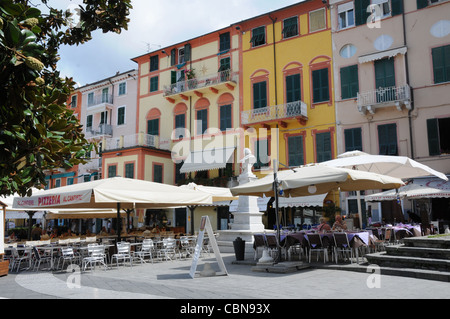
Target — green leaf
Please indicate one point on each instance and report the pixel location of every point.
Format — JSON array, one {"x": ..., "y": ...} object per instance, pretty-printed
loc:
[
  {"x": 10, "y": 8},
  {"x": 33, "y": 13},
  {"x": 12, "y": 33}
]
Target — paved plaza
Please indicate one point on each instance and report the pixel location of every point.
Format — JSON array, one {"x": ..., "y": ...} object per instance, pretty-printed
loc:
[{"x": 171, "y": 280}]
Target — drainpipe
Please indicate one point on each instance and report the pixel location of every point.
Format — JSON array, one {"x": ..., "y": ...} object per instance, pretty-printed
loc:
[
  {"x": 274, "y": 58},
  {"x": 408, "y": 81}
]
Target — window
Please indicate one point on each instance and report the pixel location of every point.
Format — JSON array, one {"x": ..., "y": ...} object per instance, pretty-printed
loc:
[
  {"x": 438, "y": 136},
  {"x": 180, "y": 125},
  {"x": 225, "y": 117},
  {"x": 154, "y": 63},
  {"x": 179, "y": 176},
  {"x": 122, "y": 88},
  {"x": 259, "y": 95},
  {"x": 317, "y": 20},
  {"x": 153, "y": 127},
  {"x": 323, "y": 147},
  {"x": 70, "y": 181},
  {"x": 180, "y": 55},
  {"x": 154, "y": 85},
  {"x": 73, "y": 104},
  {"x": 441, "y": 64},
  {"x": 385, "y": 79},
  {"x": 225, "y": 43},
  {"x": 105, "y": 95},
  {"x": 202, "y": 121},
  {"x": 321, "y": 91},
  {"x": 112, "y": 171},
  {"x": 349, "y": 82},
  {"x": 157, "y": 173},
  {"x": 387, "y": 139},
  {"x": 225, "y": 64},
  {"x": 91, "y": 99},
  {"x": 295, "y": 150},
  {"x": 290, "y": 27},
  {"x": 425, "y": 3},
  {"x": 353, "y": 139},
  {"x": 129, "y": 170},
  {"x": 380, "y": 8},
  {"x": 104, "y": 117},
  {"x": 258, "y": 36},
  {"x": 346, "y": 15},
  {"x": 262, "y": 154},
  {"x": 293, "y": 88},
  {"x": 89, "y": 121},
  {"x": 121, "y": 115}
]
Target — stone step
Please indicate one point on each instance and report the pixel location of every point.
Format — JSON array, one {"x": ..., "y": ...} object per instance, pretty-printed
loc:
[
  {"x": 422, "y": 252},
  {"x": 383, "y": 259},
  {"x": 438, "y": 242}
]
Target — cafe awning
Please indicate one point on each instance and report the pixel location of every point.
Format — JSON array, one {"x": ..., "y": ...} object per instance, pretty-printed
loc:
[
  {"x": 383, "y": 54},
  {"x": 206, "y": 160},
  {"x": 303, "y": 201},
  {"x": 13, "y": 214}
]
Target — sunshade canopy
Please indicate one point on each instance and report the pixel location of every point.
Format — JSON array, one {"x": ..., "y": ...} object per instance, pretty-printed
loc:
[
  {"x": 218, "y": 193},
  {"x": 107, "y": 193},
  {"x": 410, "y": 191},
  {"x": 395, "y": 166},
  {"x": 317, "y": 179}
]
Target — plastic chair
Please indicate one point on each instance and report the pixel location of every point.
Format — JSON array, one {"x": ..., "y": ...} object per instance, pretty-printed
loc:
[
  {"x": 315, "y": 244},
  {"x": 272, "y": 245}
]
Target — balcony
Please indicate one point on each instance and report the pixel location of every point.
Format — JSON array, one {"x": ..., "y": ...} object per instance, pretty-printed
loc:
[
  {"x": 280, "y": 113},
  {"x": 199, "y": 85},
  {"x": 103, "y": 130},
  {"x": 99, "y": 103},
  {"x": 135, "y": 140},
  {"x": 385, "y": 97}
]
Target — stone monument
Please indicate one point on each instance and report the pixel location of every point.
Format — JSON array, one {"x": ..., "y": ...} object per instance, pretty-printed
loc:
[{"x": 247, "y": 218}]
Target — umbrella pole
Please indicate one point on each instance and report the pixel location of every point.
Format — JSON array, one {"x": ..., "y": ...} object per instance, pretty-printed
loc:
[
  {"x": 30, "y": 219},
  {"x": 275, "y": 190},
  {"x": 119, "y": 239},
  {"x": 358, "y": 196}
]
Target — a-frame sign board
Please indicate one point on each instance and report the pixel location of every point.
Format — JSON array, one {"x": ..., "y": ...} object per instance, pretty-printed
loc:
[{"x": 205, "y": 225}]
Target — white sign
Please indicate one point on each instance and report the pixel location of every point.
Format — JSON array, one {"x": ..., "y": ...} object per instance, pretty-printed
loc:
[{"x": 205, "y": 224}]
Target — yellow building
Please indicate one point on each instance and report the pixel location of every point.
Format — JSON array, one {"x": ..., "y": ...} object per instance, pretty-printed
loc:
[{"x": 286, "y": 82}]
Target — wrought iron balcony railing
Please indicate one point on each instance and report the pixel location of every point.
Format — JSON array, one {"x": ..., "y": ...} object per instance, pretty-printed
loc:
[
  {"x": 390, "y": 96},
  {"x": 272, "y": 113}
]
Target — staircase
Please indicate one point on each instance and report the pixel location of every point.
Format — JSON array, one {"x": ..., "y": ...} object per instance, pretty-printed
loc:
[{"x": 419, "y": 257}]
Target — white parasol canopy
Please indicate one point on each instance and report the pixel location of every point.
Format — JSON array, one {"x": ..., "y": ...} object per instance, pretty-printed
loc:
[
  {"x": 218, "y": 193},
  {"x": 106, "y": 193},
  {"x": 317, "y": 179},
  {"x": 396, "y": 166},
  {"x": 410, "y": 191}
]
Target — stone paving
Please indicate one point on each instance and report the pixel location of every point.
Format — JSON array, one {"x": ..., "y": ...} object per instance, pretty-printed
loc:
[{"x": 171, "y": 280}]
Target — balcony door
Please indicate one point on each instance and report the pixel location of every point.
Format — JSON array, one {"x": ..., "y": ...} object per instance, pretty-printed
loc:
[{"x": 385, "y": 80}]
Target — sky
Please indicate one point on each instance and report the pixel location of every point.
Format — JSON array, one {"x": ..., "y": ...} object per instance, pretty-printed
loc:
[{"x": 154, "y": 24}]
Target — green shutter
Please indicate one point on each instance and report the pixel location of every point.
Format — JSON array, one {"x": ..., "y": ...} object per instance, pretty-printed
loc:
[
  {"x": 349, "y": 82},
  {"x": 361, "y": 14},
  {"x": 387, "y": 138},
  {"x": 295, "y": 150},
  {"x": 321, "y": 91},
  {"x": 173, "y": 77},
  {"x": 187, "y": 52},
  {"x": 153, "y": 127},
  {"x": 397, "y": 7},
  {"x": 323, "y": 147},
  {"x": 353, "y": 139},
  {"x": 433, "y": 137},
  {"x": 441, "y": 64},
  {"x": 293, "y": 88},
  {"x": 422, "y": 4},
  {"x": 259, "y": 95},
  {"x": 173, "y": 57}
]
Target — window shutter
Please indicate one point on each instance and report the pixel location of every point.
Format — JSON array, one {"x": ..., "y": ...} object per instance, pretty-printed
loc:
[
  {"x": 433, "y": 137},
  {"x": 361, "y": 14},
  {"x": 173, "y": 57},
  {"x": 397, "y": 7},
  {"x": 323, "y": 145},
  {"x": 173, "y": 77},
  {"x": 295, "y": 150},
  {"x": 187, "y": 52},
  {"x": 422, "y": 4},
  {"x": 259, "y": 95}
]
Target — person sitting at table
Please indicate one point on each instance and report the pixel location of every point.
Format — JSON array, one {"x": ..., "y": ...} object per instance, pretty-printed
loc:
[
  {"x": 103, "y": 232},
  {"x": 339, "y": 224},
  {"x": 36, "y": 232},
  {"x": 323, "y": 225}
]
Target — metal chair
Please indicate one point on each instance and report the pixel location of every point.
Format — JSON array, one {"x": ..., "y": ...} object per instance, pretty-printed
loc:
[
  {"x": 147, "y": 250},
  {"x": 96, "y": 255},
  {"x": 39, "y": 258},
  {"x": 25, "y": 257},
  {"x": 67, "y": 254},
  {"x": 168, "y": 249},
  {"x": 315, "y": 244},
  {"x": 187, "y": 246},
  {"x": 123, "y": 253}
]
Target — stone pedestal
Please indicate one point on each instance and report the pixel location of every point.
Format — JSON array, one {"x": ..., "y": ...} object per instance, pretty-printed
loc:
[{"x": 247, "y": 219}]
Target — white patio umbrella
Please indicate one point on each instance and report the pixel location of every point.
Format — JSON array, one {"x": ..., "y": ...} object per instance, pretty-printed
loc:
[
  {"x": 397, "y": 166},
  {"x": 219, "y": 194},
  {"x": 317, "y": 179},
  {"x": 116, "y": 192},
  {"x": 409, "y": 191}
]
